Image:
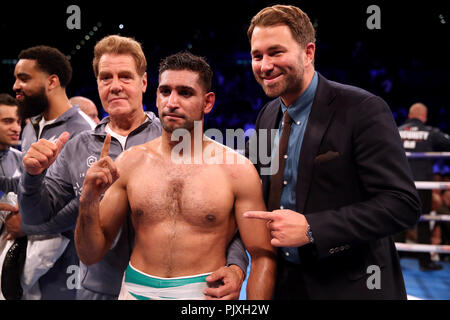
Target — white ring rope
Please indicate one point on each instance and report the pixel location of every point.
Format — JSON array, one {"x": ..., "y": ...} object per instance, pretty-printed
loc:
[
  {"x": 428, "y": 185},
  {"x": 416, "y": 247},
  {"x": 431, "y": 185},
  {"x": 431, "y": 217},
  {"x": 441, "y": 155}
]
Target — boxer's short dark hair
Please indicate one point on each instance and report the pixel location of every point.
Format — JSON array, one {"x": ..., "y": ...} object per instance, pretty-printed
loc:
[{"x": 187, "y": 61}]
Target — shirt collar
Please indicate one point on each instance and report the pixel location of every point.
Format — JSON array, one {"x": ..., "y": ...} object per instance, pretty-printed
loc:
[
  {"x": 414, "y": 121},
  {"x": 64, "y": 117},
  {"x": 303, "y": 103},
  {"x": 100, "y": 129},
  {"x": 3, "y": 153}
]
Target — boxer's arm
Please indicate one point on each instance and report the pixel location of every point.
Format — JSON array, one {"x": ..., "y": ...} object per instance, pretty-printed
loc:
[
  {"x": 255, "y": 234},
  {"x": 98, "y": 222}
]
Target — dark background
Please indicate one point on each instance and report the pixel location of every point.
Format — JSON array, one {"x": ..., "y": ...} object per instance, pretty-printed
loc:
[{"x": 406, "y": 61}]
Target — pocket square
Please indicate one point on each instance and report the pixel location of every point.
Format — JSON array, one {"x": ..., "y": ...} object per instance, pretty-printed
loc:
[{"x": 327, "y": 156}]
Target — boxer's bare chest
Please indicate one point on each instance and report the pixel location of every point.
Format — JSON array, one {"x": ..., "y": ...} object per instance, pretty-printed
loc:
[{"x": 200, "y": 195}]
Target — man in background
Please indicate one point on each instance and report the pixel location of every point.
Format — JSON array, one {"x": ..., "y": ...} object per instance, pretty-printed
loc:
[
  {"x": 87, "y": 106},
  {"x": 10, "y": 158},
  {"x": 10, "y": 166}
]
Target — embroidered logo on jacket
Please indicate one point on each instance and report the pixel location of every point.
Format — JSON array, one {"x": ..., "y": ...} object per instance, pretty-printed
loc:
[{"x": 91, "y": 160}]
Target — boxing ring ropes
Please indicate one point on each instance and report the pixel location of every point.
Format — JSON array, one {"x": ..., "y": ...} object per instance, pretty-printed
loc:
[{"x": 432, "y": 216}]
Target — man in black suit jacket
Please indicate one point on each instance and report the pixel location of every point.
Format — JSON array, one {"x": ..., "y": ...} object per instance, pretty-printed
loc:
[{"x": 349, "y": 189}]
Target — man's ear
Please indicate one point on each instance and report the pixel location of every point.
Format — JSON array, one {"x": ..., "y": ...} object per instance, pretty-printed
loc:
[
  {"x": 310, "y": 51},
  {"x": 52, "y": 82},
  {"x": 210, "y": 98},
  {"x": 144, "y": 82}
]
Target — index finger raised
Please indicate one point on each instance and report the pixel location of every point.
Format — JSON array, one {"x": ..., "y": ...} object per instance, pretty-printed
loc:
[
  {"x": 106, "y": 145},
  {"x": 264, "y": 215}
]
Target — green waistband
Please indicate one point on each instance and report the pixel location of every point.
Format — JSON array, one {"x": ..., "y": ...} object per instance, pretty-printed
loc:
[{"x": 133, "y": 276}]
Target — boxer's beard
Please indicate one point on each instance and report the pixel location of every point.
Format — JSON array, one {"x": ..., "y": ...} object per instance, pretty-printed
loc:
[
  {"x": 33, "y": 105},
  {"x": 186, "y": 124}
]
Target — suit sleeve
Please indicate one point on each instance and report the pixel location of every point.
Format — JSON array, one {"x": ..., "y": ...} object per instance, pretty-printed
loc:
[
  {"x": 236, "y": 253},
  {"x": 390, "y": 204}
]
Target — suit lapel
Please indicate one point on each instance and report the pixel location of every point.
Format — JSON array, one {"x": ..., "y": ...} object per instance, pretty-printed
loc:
[{"x": 322, "y": 111}]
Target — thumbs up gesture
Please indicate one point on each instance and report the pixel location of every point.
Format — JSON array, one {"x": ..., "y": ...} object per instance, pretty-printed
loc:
[
  {"x": 43, "y": 153},
  {"x": 102, "y": 174}
]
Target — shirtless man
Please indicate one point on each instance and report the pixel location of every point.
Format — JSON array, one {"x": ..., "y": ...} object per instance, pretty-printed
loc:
[{"x": 184, "y": 227}]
